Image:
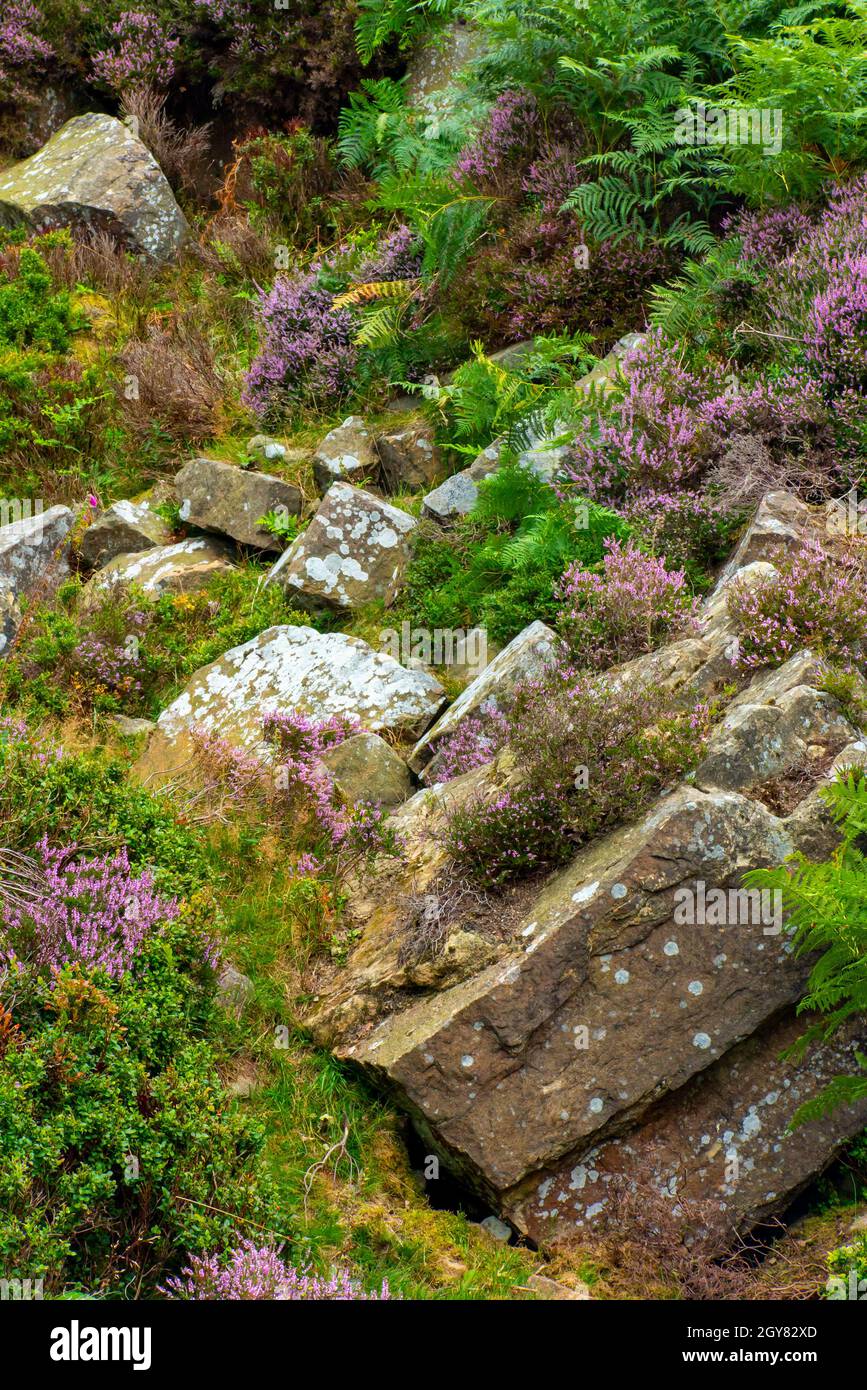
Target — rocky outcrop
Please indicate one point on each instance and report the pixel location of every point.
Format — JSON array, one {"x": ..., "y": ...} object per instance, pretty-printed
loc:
[
  {"x": 95, "y": 175},
  {"x": 231, "y": 501},
  {"x": 290, "y": 668},
  {"x": 122, "y": 529},
  {"x": 355, "y": 550},
  {"x": 624, "y": 1022},
  {"x": 33, "y": 550}
]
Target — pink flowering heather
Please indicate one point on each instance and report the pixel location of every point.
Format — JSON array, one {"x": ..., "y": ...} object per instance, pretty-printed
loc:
[
  {"x": 508, "y": 134},
  {"x": 95, "y": 912},
  {"x": 397, "y": 257},
  {"x": 476, "y": 741},
  {"x": 816, "y": 600},
  {"x": 253, "y": 1272},
  {"x": 307, "y": 355},
  {"x": 142, "y": 51},
  {"x": 23, "y": 52},
  {"x": 771, "y": 235},
  {"x": 628, "y": 609},
  {"x": 836, "y": 337}
]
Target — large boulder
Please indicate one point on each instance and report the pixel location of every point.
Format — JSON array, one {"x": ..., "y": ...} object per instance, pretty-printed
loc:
[
  {"x": 122, "y": 529},
  {"x": 94, "y": 174},
  {"x": 719, "y": 1149},
  {"x": 182, "y": 568},
  {"x": 33, "y": 552},
  {"x": 355, "y": 550},
  {"x": 231, "y": 501},
  {"x": 347, "y": 454},
  {"x": 291, "y": 668}
]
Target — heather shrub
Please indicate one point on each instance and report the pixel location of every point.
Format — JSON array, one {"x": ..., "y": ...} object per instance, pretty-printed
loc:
[
  {"x": 251, "y": 1271},
  {"x": 91, "y": 911},
  {"x": 307, "y": 353},
  {"x": 587, "y": 756},
  {"x": 817, "y": 598},
  {"x": 634, "y": 605},
  {"x": 122, "y": 650},
  {"x": 286, "y": 181},
  {"x": 49, "y": 793},
  {"x": 141, "y": 50},
  {"x": 115, "y": 1129},
  {"x": 475, "y": 742}
]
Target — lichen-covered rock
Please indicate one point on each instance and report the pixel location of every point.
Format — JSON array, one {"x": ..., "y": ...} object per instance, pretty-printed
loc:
[
  {"x": 525, "y": 657},
  {"x": 182, "y": 568},
  {"x": 410, "y": 458},
  {"x": 720, "y": 1146},
  {"x": 454, "y": 497},
  {"x": 32, "y": 551},
  {"x": 355, "y": 550},
  {"x": 366, "y": 768},
  {"x": 231, "y": 501},
  {"x": 347, "y": 454},
  {"x": 94, "y": 174},
  {"x": 291, "y": 668},
  {"x": 122, "y": 529},
  {"x": 780, "y": 523},
  {"x": 266, "y": 448}
]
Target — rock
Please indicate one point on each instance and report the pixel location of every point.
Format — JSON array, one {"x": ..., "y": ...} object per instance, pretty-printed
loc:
[
  {"x": 234, "y": 990},
  {"x": 264, "y": 447},
  {"x": 131, "y": 728},
  {"x": 220, "y": 497},
  {"x": 355, "y": 549},
  {"x": 436, "y": 63},
  {"x": 463, "y": 954},
  {"x": 455, "y": 497},
  {"x": 410, "y": 458},
  {"x": 291, "y": 668},
  {"x": 94, "y": 174},
  {"x": 554, "y": 1291},
  {"x": 525, "y": 657},
  {"x": 497, "y": 1229},
  {"x": 122, "y": 529},
  {"x": 365, "y": 768},
  {"x": 33, "y": 551},
  {"x": 347, "y": 454},
  {"x": 182, "y": 568},
  {"x": 598, "y": 959},
  {"x": 720, "y": 1143},
  {"x": 604, "y": 374},
  {"x": 780, "y": 523},
  {"x": 245, "y": 1080},
  {"x": 770, "y": 727}
]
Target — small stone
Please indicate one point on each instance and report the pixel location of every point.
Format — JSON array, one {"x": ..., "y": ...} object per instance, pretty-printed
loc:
[
  {"x": 497, "y": 1228},
  {"x": 410, "y": 458},
  {"x": 122, "y": 529},
  {"x": 234, "y": 990},
  {"x": 347, "y": 454}
]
